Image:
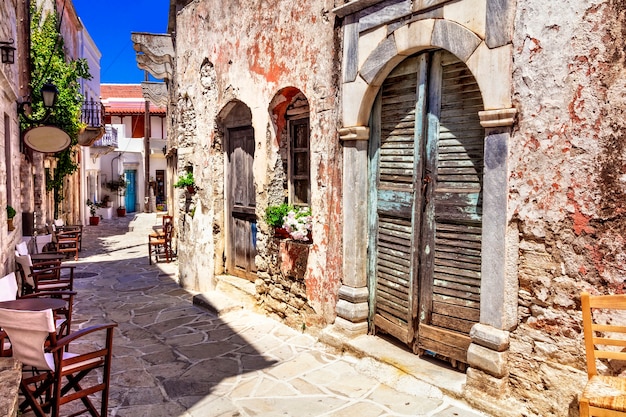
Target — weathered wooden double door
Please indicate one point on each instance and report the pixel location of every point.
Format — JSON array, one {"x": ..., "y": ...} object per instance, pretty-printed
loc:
[
  {"x": 241, "y": 202},
  {"x": 426, "y": 163}
]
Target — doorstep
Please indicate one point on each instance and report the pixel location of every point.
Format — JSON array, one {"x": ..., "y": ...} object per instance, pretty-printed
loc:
[{"x": 401, "y": 367}]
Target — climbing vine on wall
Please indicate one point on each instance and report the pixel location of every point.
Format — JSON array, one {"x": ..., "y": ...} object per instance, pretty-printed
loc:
[{"x": 49, "y": 64}]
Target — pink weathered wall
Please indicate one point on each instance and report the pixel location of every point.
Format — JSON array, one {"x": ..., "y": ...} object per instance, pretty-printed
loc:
[
  {"x": 249, "y": 51},
  {"x": 567, "y": 186}
]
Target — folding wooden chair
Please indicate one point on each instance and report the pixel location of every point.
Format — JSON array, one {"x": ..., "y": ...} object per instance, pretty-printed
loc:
[
  {"x": 52, "y": 376},
  {"x": 9, "y": 291},
  {"x": 605, "y": 339},
  {"x": 44, "y": 275}
]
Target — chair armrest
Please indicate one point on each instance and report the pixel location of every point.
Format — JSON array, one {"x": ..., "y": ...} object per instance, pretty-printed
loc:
[
  {"x": 46, "y": 264},
  {"x": 66, "y": 340},
  {"x": 49, "y": 294}
]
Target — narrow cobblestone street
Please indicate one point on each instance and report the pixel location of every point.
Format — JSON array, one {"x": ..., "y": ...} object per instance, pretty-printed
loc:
[{"x": 172, "y": 358}]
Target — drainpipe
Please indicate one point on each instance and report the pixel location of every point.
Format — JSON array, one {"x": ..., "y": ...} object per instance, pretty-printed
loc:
[{"x": 147, "y": 150}]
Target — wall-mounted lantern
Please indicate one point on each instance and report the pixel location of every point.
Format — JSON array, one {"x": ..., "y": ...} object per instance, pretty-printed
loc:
[{"x": 7, "y": 52}]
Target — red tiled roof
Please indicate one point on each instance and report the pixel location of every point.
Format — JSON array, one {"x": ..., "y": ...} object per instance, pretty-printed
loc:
[
  {"x": 122, "y": 111},
  {"x": 118, "y": 99},
  {"x": 121, "y": 91}
]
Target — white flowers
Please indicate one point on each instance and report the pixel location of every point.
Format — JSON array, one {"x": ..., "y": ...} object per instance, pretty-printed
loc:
[{"x": 298, "y": 223}]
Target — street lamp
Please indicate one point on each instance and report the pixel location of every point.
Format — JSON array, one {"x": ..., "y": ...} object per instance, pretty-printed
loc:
[
  {"x": 7, "y": 52},
  {"x": 44, "y": 138},
  {"x": 49, "y": 93}
]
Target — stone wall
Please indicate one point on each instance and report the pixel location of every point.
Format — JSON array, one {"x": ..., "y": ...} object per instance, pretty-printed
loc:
[
  {"x": 566, "y": 187},
  {"x": 257, "y": 53}
]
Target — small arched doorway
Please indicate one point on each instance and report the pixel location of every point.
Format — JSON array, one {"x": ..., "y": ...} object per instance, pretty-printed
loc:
[
  {"x": 425, "y": 211},
  {"x": 239, "y": 191}
]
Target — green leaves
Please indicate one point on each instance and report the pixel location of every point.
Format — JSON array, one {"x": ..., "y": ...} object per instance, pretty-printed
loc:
[{"x": 49, "y": 64}]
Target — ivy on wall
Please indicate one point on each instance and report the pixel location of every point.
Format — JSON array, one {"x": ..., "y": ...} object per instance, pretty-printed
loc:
[{"x": 49, "y": 64}]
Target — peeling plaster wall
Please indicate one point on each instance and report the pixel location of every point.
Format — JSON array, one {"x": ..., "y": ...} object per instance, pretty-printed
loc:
[
  {"x": 249, "y": 51},
  {"x": 567, "y": 187}
]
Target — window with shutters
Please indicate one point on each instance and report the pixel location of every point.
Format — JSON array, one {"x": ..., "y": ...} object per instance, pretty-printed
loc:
[{"x": 299, "y": 165}]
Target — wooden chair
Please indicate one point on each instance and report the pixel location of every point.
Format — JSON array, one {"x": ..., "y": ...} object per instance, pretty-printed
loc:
[
  {"x": 159, "y": 233},
  {"x": 66, "y": 240},
  {"x": 60, "y": 227},
  {"x": 604, "y": 396},
  {"x": 44, "y": 275},
  {"x": 9, "y": 291},
  {"x": 161, "y": 244},
  {"x": 55, "y": 377}
]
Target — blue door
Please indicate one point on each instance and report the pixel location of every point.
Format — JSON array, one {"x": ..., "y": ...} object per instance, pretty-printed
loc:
[{"x": 131, "y": 191}]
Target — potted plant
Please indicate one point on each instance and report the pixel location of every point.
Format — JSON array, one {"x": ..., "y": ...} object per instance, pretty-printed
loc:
[
  {"x": 297, "y": 223},
  {"x": 10, "y": 214},
  {"x": 289, "y": 221},
  {"x": 186, "y": 181},
  {"x": 106, "y": 201},
  {"x": 118, "y": 186},
  {"x": 274, "y": 217},
  {"x": 93, "y": 206}
]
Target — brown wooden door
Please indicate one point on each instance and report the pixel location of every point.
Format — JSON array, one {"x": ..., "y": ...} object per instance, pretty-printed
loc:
[
  {"x": 241, "y": 203},
  {"x": 427, "y": 160}
]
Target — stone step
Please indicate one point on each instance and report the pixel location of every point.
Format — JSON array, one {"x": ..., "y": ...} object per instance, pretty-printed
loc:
[{"x": 230, "y": 294}]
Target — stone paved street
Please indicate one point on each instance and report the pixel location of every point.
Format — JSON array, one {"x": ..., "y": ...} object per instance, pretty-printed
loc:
[{"x": 172, "y": 358}]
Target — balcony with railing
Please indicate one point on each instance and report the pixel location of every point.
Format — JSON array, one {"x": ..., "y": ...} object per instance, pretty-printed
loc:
[
  {"x": 92, "y": 115},
  {"x": 107, "y": 143}
]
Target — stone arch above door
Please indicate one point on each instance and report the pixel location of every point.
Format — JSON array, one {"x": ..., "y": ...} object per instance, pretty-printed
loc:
[{"x": 490, "y": 67}]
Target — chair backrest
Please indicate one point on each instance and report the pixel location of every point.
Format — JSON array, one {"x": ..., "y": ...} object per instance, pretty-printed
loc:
[
  {"x": 28, "y": 331},
  {"x": 25, "y": 262},
  {"x": 22, "y": 248},
  {"x": 166, "y": 219},
  {"x": 8, "y": 287},
  {"x": 168, "y": 228},
  {"x": 604, "y": 327}
]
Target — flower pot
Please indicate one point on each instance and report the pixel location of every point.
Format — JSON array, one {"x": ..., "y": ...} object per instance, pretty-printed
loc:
[
  {"x": 10, "y": 224},
  {"x": 121, "y": 212},
  {"x": 191, "y": 189},
  {"x": 94, "y": 220},
  {"x": 281, "y": 233}
]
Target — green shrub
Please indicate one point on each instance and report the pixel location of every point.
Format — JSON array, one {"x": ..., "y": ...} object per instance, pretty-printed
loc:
[
  {"x": 275, "y": 214},
  {"x": 11, "y": 212}
]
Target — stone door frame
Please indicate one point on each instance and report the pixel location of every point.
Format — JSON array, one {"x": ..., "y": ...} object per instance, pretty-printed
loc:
[{"x": 363, "y": 77}]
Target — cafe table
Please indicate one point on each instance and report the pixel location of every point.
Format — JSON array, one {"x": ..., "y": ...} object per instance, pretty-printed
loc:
[{"x": 34, "y": 304}]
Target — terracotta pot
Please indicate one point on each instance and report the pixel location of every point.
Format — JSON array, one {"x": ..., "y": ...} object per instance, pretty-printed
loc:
[
  {"x": 94, "y": 221},
  {"x": 191, "y": 189},
  {"x": 121, "y": 212},
  {"x": 281, "y": 233},
  {"x": 10, "y": 224}
]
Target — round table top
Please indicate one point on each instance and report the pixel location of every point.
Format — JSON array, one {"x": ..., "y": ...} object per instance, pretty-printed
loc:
[{"x": 34, "y": 304}]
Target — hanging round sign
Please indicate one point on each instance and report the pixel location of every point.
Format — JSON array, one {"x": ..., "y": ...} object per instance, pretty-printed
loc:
[{"x": 47, "y": 139}]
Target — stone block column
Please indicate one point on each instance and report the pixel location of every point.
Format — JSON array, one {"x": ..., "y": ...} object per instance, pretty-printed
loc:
[
  {"x": 352, "y": 306},
  {"x": 487, "y": 354}
]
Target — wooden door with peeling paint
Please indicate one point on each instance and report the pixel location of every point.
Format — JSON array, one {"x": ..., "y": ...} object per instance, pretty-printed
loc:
[
  {"x": 425, "y": 203},
  {"x": 241, "y": 203}
]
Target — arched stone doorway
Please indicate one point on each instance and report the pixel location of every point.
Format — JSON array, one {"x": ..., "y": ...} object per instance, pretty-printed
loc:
[
  {"x": 425, "y": 205},
  {"x": 239, "y": 190},
  {"x": 365, "y": 67}
]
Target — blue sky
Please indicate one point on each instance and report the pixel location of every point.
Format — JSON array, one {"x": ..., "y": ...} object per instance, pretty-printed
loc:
[{"x": 110, "y": 22}]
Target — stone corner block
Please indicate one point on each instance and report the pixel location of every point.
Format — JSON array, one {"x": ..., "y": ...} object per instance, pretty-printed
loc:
[
  {"x": 353, "y": 295},
  {"x": 490, "y": 337},
  {"x": 353, "y": 312},
  {"x": 350, "y": 329},
  {"x": 479, "y": 383},
  {"x": 487, "y": 360}
]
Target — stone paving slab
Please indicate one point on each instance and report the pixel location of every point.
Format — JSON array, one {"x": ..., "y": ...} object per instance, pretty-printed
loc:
[{"x": 175, "y": 359}]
